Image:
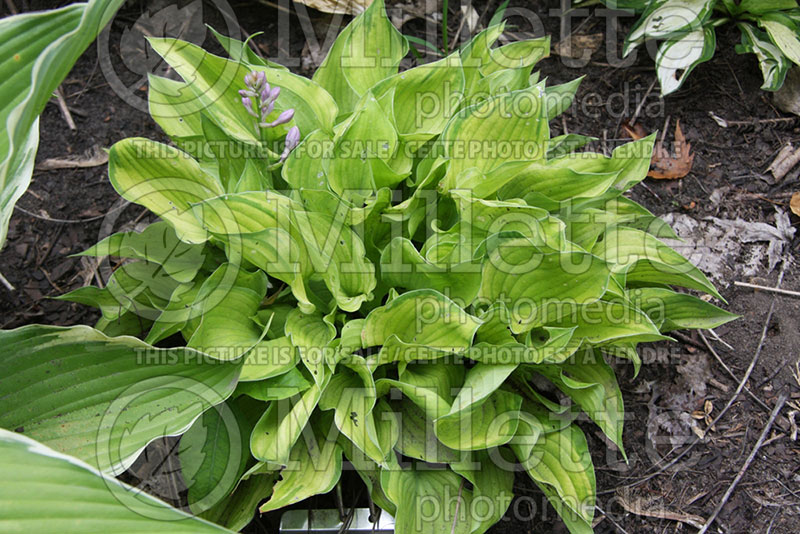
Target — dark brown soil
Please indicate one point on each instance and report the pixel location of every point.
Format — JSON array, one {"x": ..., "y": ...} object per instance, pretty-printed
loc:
[{"x": 71, "y": 205}]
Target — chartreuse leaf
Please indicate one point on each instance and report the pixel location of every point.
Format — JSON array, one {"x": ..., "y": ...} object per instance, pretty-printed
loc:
[
  {"x": 39, "y": 49},
  {"x": 279, "y": 428},
  {"x": 352, "y": 395},
  {"x": 226, "y": 328},
  {"x": 158, "y": 244},
  {"x": 560, "y": 464},
  {"x": 314, "y": 467},
  {"x": 678, "y": 57},
  {"x": 269, "y": 358},
  {"x": 216, "y": 81},
  {"x": 539, "y": 286},
  {"x": 605, "y": 321},
  {"x": 164, "y": 180},
  {"x": 673, "y": 311},
  {"x": 643, "y": 258},
  {"x": 417, "y": 438},
  {"x": 368, "y": 50},
  {"x": 276, "y": 234},
  {"x": 434, "y": 90},
  {"x": 482, "y": 415},
  {"x": 492, "y": 478},
  {"x": 591, "y": 383},
  {"x": 419, "y": 325},
  {"x": 402, "y": 265},
  {"x": 279, "y": 387},
  {"x": 428, "y": 500},
  {"x": 311, "y": 333},
  {"x": 80, "y": 499},
  {"x": 507, "y": 127},
  {"x": 51, "y": 391}
]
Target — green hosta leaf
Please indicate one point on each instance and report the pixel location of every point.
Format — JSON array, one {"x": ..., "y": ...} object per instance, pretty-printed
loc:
[
  {"x": 428, "y": 500},
  {"x": 216, "y": 81},
  {"x": 610, "y": 321},
  {"x": 481, "y": 416},
  {"x": 214, "y": 452},
  {"x": 590, "y": 382},
  {"x": 283, "y": 386},
  {"x": 238, "y": 50},
  {"x": 674, "y": 311},
  {"x": 678, "y": 57},
  {"x": 402, "y": 265},
  {"x": 420, "y": 324},
  {"x": 559, "y": 97},
  {"x": 279, "y": 236},
  {"x": 360, "y": 151},
  {"x": 164, "y": 180},
  {"x": 351, "y": 393},
  {"x": 492, "y": 487},
  {"x": 433, "y": 90},
  {"x": 665, "y": 18},
  {"x": 226, "y": 328},
  {"x": 516, "y": 55},
  {"x": 79, "y": 498},
  {"x": 560, "y": 464},
  {"x": 759, "y": 7},
  {"x": 368, "y": 50},
  {"x": 475, "y": 54},
  {"x": 158, "y": 244},
  {"x": 39, "y": 49},
  {"x": 311, "y": 334},
  {"x": 237, "y": 510},
  {"x": 508, "y": 127},
  {"x": 315, "y": 465},
  {"x": 173, "y": 105},
  {"x": 774, "y": 65},
  {"x": 52, "y": 391},
  {"x": 369, "y": 472},
  {"x": 540, "y": 287},
  {"x": 646, "y": 259},
  {"x": 138, "y": 287},
  {"x": 270, "y": 358},
  {"x": 280, "y": 427},
  {"x": 417, "y": 438}
]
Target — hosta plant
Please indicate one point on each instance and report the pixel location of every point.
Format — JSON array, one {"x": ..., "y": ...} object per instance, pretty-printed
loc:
[
  {"x": 686, "y": 28},
  {"x": 402, "y": 270}
]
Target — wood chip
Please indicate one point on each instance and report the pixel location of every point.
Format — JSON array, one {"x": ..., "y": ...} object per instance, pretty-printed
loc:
[
  {"x": 784, "y": 162},
  {"x": 794, "y": 204},
  {"x": 638, "y": 507},
  {"x": 579, "y": 46},
  {"x": 94, "y": 157}
]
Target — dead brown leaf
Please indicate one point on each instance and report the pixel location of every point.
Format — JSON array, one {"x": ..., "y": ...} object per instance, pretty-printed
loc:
[
  {"x": 665, "y": 165},
  {"x": 579, "y": 46},
  {"x": 345, "y": 7},
  {"x": 794, "y": 204}
]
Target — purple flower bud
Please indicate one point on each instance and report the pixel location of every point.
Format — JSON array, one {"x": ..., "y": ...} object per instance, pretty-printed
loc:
[
  {"x": 273, "y": 94},
  {"x": 283, "y": 118},
  {"x": 248, "y": 105},
  {"x": 266, "y": 109},
  {"x": 261, "y": 79},
  {"x": 250, "y": 79},
  {"x": 292, "y": 140}
]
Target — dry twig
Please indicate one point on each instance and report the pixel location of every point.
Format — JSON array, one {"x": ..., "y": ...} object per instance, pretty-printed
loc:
[{"x": 759, "y": 443}]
